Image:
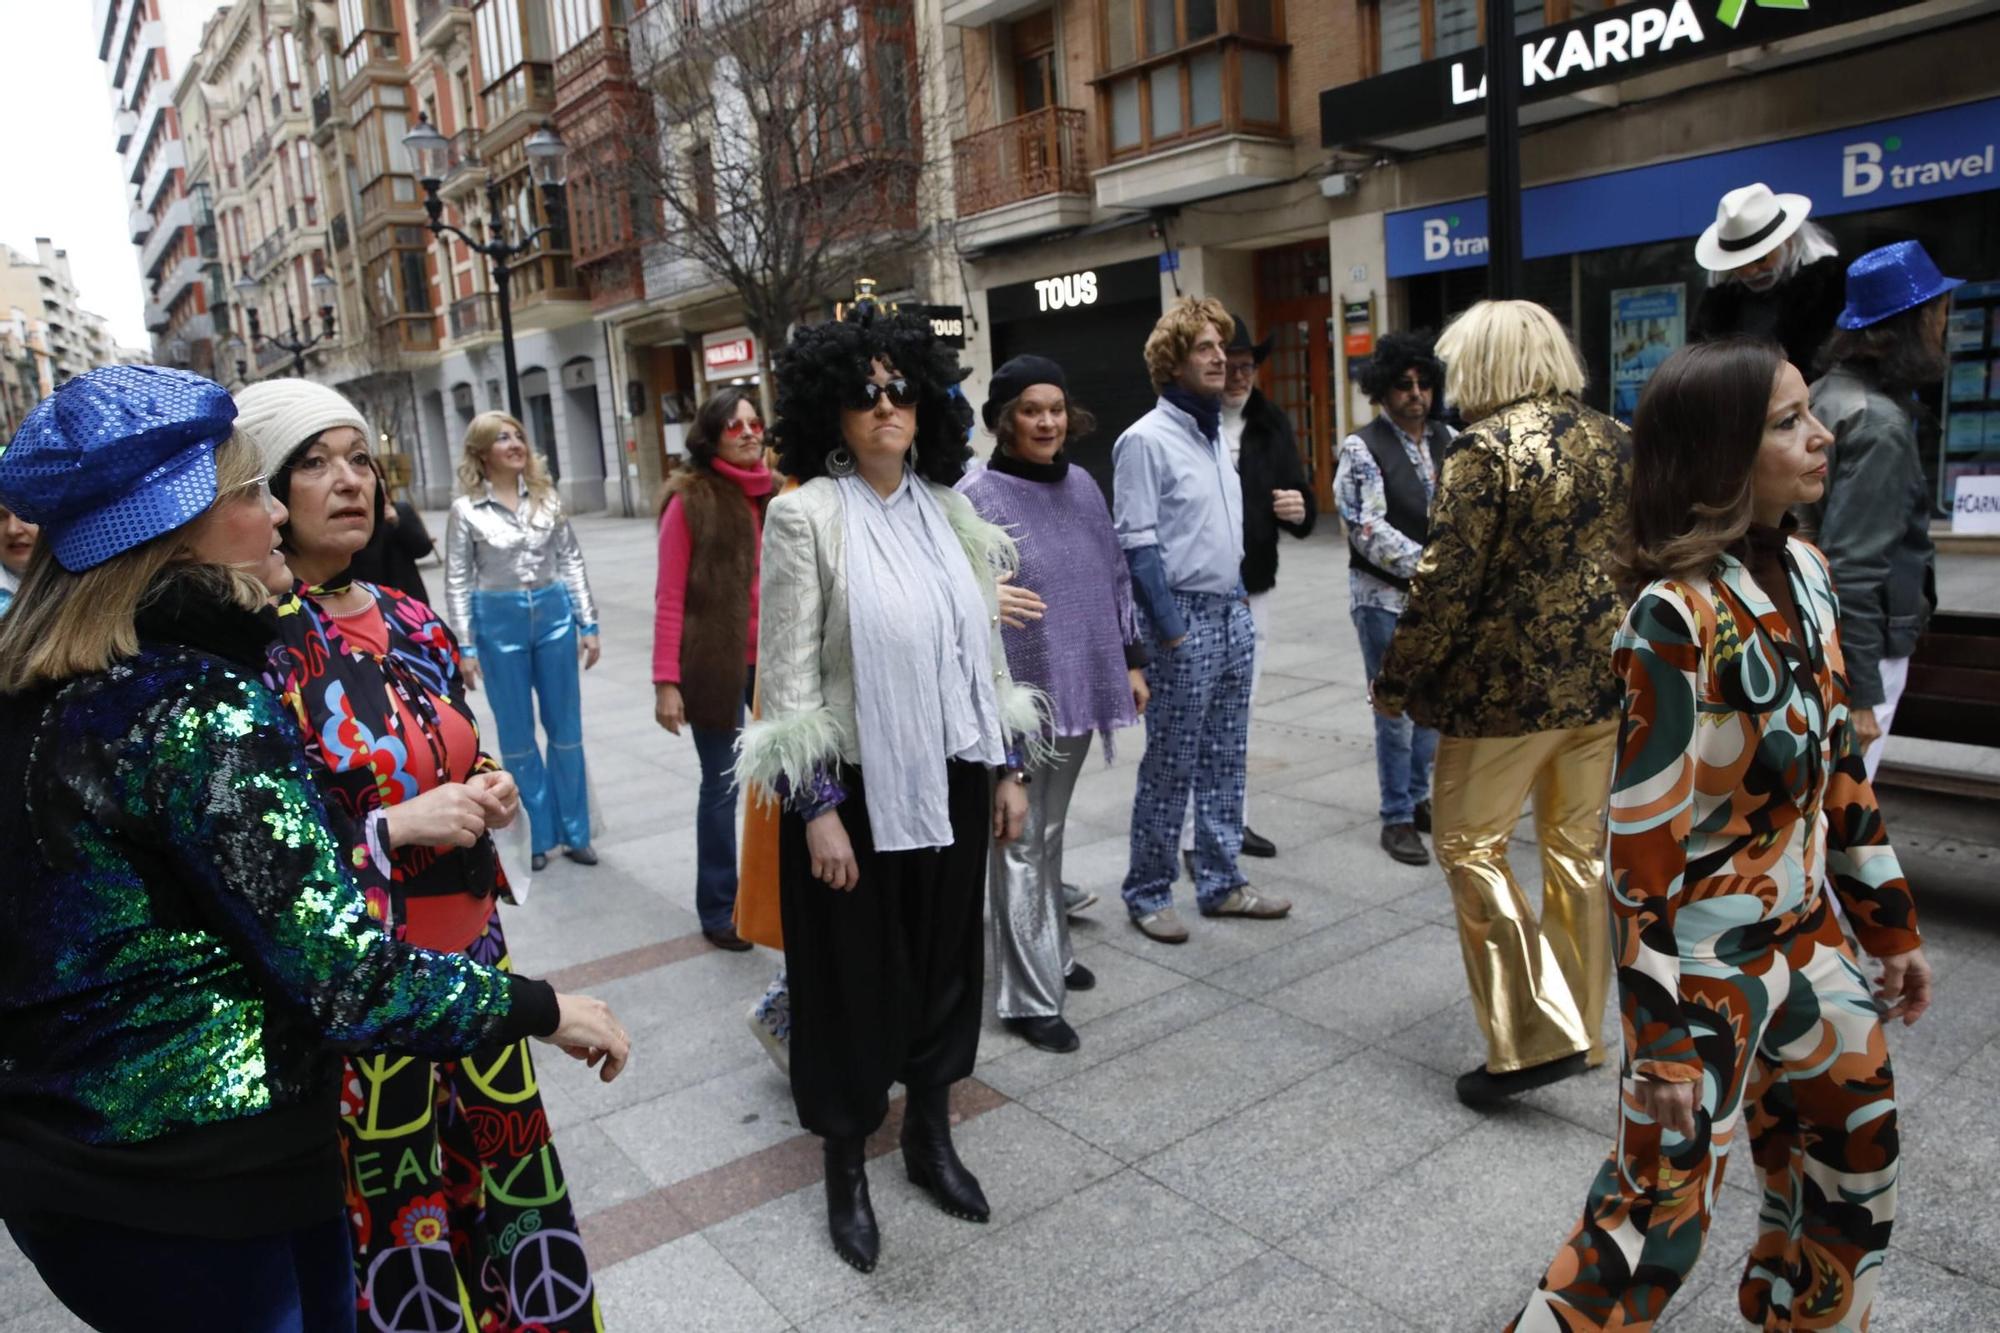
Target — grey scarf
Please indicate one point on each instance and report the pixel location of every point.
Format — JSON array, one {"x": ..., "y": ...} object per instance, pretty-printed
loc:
[{"x": 923, "y": 671}]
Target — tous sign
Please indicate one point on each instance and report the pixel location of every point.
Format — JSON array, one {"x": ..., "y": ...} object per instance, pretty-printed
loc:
[{"x": 1073, "y": 289}]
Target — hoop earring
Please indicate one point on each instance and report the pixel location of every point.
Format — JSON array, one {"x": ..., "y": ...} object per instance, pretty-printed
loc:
[{"x": 840, "y": 463}]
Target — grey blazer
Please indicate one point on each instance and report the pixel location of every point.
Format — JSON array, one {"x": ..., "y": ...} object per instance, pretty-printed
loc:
[{"x": 805, "y": 648}]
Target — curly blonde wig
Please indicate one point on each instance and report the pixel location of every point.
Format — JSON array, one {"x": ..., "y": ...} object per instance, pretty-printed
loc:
[
  {"x": 479, "y": 438},
  {"x": 1174, "y": 337},
  {"x": 1501, "y": 351}
]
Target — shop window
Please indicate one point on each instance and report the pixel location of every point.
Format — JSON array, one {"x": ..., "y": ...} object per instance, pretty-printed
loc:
[{"x": 1172, "y": 70}]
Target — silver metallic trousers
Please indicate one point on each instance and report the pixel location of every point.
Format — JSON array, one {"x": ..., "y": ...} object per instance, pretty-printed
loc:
[{"x": 1031, "y": 953}]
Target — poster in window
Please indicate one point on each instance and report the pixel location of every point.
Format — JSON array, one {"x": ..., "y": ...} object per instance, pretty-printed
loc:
[
  {"x": 1647, "y": 325},
  {"x": 1968, "y": 381},
  {"x": 1967, "y": 330}
]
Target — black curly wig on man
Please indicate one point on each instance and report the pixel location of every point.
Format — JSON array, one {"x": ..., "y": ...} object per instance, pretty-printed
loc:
[
  {"x": 1396, "y": 354},
  {"x": 819, "y": 367}
]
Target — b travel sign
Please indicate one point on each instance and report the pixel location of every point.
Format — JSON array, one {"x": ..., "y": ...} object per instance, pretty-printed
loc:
[
  {"x": 1615, "y": 43},
  {"x": 1935, "y": 155}
]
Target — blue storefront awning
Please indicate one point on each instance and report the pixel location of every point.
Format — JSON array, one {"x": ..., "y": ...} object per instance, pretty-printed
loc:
[{"x": 1935, "y": 155}]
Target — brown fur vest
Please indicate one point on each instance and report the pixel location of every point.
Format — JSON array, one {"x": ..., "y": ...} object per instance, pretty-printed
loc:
[{"x": 722, "y": 569}]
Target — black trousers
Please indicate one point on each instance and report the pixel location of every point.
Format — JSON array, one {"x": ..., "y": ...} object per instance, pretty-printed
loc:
[{"x": 886, "y": 978}]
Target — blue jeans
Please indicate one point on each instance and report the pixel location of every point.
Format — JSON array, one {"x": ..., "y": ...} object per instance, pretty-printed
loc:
[
  {"x": 124, "y": 1281},
  {"x": 527, "y": 649},
  {"x": 715, "y": 825},
  {"x": 1403, "y": 750}
]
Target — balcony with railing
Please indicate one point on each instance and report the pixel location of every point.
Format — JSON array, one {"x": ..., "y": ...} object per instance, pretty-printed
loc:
[
  {"x": 471, "y": 316},
  {"x": 254, "y": 160},
  {"x": 267, "y": 252},
  {"x": 464, "y": 171},
  {"x": 1023, "y": 177},
  {"x": 322, "y": 108},
  {"x": 438, "y": 21},
  {"x": 140, "y": 224},
  {"x": 201, "y": 206}
]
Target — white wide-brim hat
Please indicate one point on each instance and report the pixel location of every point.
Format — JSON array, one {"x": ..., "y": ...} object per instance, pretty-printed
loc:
[{"x": 1749, "y": 223}]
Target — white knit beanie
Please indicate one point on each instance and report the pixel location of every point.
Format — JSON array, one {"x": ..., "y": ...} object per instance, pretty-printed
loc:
[{"x": 281, "y": 416}]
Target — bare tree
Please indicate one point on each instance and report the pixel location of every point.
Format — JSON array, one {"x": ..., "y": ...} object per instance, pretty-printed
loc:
[{"x": 790, "y": 150}]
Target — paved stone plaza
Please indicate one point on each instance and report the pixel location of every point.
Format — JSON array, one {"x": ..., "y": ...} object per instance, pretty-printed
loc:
[{"x": 1259, "y": 1132}]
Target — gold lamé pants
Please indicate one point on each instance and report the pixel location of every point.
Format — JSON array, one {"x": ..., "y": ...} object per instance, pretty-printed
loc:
[{"x": 1538, "y": 986}]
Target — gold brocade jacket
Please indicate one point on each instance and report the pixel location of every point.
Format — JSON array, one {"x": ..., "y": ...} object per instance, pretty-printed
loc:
[{"x": 1512, "y": 610}]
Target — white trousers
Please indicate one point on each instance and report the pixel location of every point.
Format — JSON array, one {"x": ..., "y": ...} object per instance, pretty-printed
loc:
[{"x": 1260, "y": 616}]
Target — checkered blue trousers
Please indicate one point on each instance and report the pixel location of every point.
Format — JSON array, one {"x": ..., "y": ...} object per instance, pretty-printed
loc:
[{"x": 1197, "y": 733}]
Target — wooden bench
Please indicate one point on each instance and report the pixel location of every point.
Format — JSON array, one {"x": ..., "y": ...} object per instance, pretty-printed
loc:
[{"x": 1953, "y": 695}]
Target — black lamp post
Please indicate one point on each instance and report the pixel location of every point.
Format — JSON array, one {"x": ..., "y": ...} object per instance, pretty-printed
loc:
[
  {"x": 1503, "y": 153},
  {"x": 430, "y": 154},
  {"x": 291, "y": 340}
]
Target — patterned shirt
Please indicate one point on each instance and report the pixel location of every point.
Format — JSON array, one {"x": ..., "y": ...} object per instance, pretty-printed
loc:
[{"x": 1364, "y": 508}]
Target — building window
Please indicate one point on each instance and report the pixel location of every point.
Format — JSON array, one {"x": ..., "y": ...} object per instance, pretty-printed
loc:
[
  {"x": 1173, "y": 70},
  {"x": 1034, "y": 42},
  {"x": 514, "y": 56},
  {"x": 1408, "y": 32}
]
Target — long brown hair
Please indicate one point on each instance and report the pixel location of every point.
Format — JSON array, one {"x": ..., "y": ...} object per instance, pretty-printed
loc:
[{"x": 1694, "y": 457}]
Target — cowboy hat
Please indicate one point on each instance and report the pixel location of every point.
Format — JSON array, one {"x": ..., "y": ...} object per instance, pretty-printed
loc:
[
  {"x": 1239, "y": 340},
  {"x": 1750, "y": 223}
]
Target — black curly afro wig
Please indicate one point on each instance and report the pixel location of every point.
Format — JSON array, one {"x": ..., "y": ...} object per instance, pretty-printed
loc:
[
  {"x": 1396, "y": 353},
  {"x": 822, "y": 363}
]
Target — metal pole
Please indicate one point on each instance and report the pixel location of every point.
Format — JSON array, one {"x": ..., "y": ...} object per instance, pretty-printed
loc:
[
  {"x": 501, "y": 281},
  {"x": 1503, "y": 153}
]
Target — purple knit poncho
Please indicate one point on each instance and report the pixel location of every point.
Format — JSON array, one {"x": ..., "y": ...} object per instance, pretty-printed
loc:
[{"x": 1071, "y": 559}]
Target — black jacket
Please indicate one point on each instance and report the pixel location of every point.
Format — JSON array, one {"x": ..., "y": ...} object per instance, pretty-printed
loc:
[
  {"x": 1798, "y": 313},
  {"x": 390, "y": 557},
  {"x": 1270, "y": 462}
]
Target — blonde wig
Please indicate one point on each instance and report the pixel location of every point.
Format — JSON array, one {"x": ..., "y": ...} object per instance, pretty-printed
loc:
[
  {"x": 1501, "y": 351},
  {"x": 63, "y": 624},
  {"x": 479, "y": 438},
  {"x": 1173, "y": 338}
]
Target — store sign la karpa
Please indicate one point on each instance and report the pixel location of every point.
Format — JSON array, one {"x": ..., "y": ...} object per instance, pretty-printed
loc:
[
  {"x": 1601, "y": 48},
  {"x": 1932, "y": 156}
]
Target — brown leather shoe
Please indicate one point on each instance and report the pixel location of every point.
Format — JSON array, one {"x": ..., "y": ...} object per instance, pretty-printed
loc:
[{"x": 727, "y": 938}]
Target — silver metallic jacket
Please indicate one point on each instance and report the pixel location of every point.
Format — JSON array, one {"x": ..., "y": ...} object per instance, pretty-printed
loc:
[{"x": 491, "y": 548}]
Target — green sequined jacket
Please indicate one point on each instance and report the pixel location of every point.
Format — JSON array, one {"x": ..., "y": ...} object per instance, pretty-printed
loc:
[
  {"x": 1508, "y": 626},
  {"x": 182, "y": 955}
]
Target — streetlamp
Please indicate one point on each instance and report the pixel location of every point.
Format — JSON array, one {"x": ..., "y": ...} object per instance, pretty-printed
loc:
[
  {"x": 430, "y": 154},
  {"x": 291, "y": 340},
  {"x": 234, "y": 348}
]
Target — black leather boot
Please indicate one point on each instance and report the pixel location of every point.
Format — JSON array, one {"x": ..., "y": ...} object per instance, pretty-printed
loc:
[
  {"x": 850, "y": 1217},
  {"x": 931, "y": 1160}
]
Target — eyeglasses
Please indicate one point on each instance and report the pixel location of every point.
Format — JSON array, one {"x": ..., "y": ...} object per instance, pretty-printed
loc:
[
  {"x": 1413, "y": 385},
  {"x": 260, "y": 485},
  {"x": 738, "y": 426},
  {"x": 865, "y": 394}
]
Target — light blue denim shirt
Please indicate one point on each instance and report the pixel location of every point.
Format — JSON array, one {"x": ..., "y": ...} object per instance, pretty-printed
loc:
[{"x": 1175, "y": 490}]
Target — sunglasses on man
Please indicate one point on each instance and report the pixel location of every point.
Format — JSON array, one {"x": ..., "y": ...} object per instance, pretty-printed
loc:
[
  {"x": 863, "y": 396},
  {"x": 1412, "y": 385}
]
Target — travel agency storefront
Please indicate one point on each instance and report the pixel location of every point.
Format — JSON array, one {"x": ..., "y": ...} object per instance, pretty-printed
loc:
[{"x": 1892, "y": 139}]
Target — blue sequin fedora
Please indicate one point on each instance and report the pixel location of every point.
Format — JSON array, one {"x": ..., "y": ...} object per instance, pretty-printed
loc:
[
  {"x": 1889, "y": 281},
  {"x": 115, "y": 458}
]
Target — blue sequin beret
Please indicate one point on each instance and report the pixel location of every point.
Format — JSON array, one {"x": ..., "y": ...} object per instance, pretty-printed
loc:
[{"x": 115, "y": 458}]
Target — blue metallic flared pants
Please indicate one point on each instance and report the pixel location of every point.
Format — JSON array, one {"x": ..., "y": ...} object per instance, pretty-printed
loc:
[{"x": 527, "y": 651}]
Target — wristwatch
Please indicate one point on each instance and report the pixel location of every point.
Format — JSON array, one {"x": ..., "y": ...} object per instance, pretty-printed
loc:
[{"x": 1019, "y": 775}]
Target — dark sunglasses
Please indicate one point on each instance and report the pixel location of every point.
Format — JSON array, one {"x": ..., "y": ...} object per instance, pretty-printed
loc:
[
  {"x": 864, "y": 395},
  {"x": 1412, "y": 385}
]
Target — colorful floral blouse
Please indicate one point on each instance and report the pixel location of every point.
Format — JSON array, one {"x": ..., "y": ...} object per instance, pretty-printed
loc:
[
  {"x": 382, "y": 708},
  {"x": 1735, "y": 739}
]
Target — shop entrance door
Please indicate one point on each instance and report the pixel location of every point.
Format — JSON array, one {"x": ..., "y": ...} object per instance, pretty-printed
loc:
[{"x": 1295, "y": 310}]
